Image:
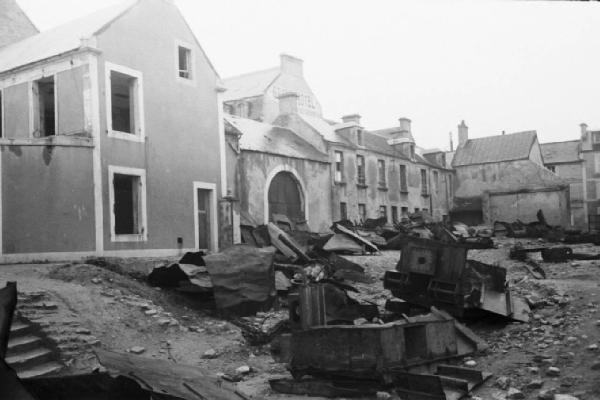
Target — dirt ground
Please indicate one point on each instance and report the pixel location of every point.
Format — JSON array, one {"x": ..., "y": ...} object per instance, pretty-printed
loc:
[{"x": 122, "y": 312}]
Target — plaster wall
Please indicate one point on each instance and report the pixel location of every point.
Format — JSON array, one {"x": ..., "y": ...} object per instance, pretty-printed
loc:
[
  {"x": 254, "y": 169},
  {"x": 181, "y": 122},
  {"x": 524, "y": 206}
]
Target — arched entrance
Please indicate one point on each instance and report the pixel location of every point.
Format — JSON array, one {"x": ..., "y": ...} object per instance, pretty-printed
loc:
[{"x": 286, "y": 197}]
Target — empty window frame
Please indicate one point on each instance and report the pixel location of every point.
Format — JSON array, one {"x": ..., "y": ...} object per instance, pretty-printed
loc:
[
  {"x": 343, "y": 211},
  {"x": 127, "y": 196},
  {"x": 362, "y": 212},
  {"x": 359, "y": 137},
  {"x": 596, "y": 137},
  {"x": 184, "y": 62},
  {"x": 339, "y": 166},
  {"x": 403, "y": 179},
  {"x": 424, "y": 187},
  {"x": 360, "y": 169},
  {"x": 551, "y": 168},
  {"x": 436, "y": 181},
  {"x": 383, "y": 212},
  {"x": 44, "y": 107},
  {"x": 404, "y": 211},
  {"x": 124, "y": 99},
  {"x": 381, "y": 173},
  {"x": 394, "y": 214}
]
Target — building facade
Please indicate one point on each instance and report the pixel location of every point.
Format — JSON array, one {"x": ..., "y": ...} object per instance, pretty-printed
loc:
[{"x": 111, "y": 138}]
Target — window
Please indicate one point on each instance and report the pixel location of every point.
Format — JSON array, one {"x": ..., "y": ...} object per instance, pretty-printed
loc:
[
  {"x": 249, "y": 107},
  {"x": 424, "y": 188},
  {"x": 241, "y": 109},
  {"x": 383, "y": 212},
  {"x": 404, "y": 211},
  {"x": 359, "y": 137},
  {"x": 339, "y": 166},
  {"x": 596, "y": 137},
  {"x": 127, "y": 195},
  {"x": 381, "y": 173},
  {"x": 360, "y": 167},
  {"x": 417, "y": 209},
  {"x": 44, "y": 107},
  {"x": 597, "y": 162},
  {"x": 551, "y": 168},
  {"x": 184, "y": 61},
  {"x": 124, "y": 103},
  {"x": 412, "y": 151},
  {"x": 362, "y": 212},
  {"x": 343, "y": 211},
  {"x": 436, "y": 181},
  {"x": 403, "y": 179},
  {"x": 394, "y": 214},
  {"x": 425, "y": 210}
]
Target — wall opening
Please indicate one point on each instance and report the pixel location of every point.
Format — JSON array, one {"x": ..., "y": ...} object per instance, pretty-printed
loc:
[
  {"x": 185, "y": 62},
  {"x": 1, "y": 115},
  {"x": 46, "y": 107},
  {"x": 123, "y": 102},
  {"x": 286, "y": 197},
  {"x": 127, "y": 204},
  {"x": 343, "y": 211}
]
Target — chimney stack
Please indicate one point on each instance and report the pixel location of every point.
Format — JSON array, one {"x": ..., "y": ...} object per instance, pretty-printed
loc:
[
  {"x": 291, "y": 65},
  {"x": 404, "y": 124},
  {"x": 463, "y": 133},
  {"x": 351, "y": 118},
  {"x": 288, "y": 103},
  {"x": 584, "y": 127},
  {"x": 451, "y": 143}
]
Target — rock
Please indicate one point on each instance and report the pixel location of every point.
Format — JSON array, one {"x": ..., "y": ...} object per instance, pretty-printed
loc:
[
  {"x": 593, "y": 347},
  {"x": 546, "y": 394},
  {"x": 150, "y": 312},
  {"x": 514, "y": 394},
  {"x": 596, "y": 366},
  {"x": 571, "y": 339},
  {"x": 83, "y": 331},
  {"x": 383, "y": 396},
  {"x": 553, "y": 371},
  {"x": 533, "y": 370},
  {"x": 503, "y": 382},
  {"x": 361, "y": 321},
  {"x": 535, "y": 384},
  {"x": 471, "y": 363},
  {"x": 243, "y": 370},
  {"x": 137, "y": 350},
  {"x": 210, "y": 354},
  {"x": 163, "y": 321},
  {"x": 96, "y": 280},
  {"x": 48, "y": 305},
  {"x": 565, "y": 397}
]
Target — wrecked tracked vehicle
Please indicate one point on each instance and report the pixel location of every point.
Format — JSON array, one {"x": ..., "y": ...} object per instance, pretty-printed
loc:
[{"x": 430, "y": 273}]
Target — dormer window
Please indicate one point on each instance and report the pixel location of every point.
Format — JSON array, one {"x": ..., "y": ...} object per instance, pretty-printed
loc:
[
  {"x": 184, "y": 63},
  {"x": 412, "y": 151},
  {"x": 359, "y": 137}
]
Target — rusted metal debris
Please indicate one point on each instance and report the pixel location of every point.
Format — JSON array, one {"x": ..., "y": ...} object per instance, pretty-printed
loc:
[
  {"x": 550, "y": 254},
  {"x": 430, "y": 273}
]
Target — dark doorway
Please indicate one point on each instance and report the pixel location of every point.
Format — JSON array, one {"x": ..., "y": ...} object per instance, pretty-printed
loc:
[
  {"x": 203, "y": 218},
  {"x": 126, "y": 206},
  {"x": 285, "y": 197}
]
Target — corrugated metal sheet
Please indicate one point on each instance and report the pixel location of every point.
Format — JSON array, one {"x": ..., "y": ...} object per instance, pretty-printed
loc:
[{"x": 509, "y": 147}]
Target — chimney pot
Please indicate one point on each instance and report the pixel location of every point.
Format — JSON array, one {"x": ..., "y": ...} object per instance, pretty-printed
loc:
[
  {"x": 404, "y": 124},
  {"x": 351, "y": 118},
  {"x": 291, "y": 65},
  {"x": 288, "y": 103},
  {"x": 463, "y": 133}
]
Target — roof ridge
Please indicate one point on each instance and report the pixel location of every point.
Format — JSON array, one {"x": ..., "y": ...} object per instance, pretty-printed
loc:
[
  {"x": 250, "y": 73},
  {"x": 561, "y": 141}
]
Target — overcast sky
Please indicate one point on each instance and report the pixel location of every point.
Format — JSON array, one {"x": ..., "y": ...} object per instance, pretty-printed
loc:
[{"x": 499, "y": 65}]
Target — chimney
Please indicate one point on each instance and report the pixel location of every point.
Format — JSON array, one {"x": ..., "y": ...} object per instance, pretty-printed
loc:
[
  {"x": 288, "y": 103},
  {"x": 291, "y": 65},
  {"x": 583, "y": 129},
  {"x": 351, "y": 118},
  {"x": 463, "y": 133},
  {"x": 404, "y": 124},
  {"x": 451, "y": 143}
]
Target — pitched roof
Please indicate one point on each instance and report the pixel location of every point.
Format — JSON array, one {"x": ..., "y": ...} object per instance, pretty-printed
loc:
[
  {"x": 14, "y": 23},
  {"x": 249, "y": 85},
  {"x": 266, "y": 138},
  {"x": 61, "y": 39},
  {"x": 561, "y": 152},
  {"x": 325, "y": 129},
  {"x": 498, "y": 148}
]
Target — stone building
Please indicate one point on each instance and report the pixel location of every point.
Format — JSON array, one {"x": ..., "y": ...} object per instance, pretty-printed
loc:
[
  {"x": 503, "y": 177},
  {"x": 368, "y": 174}
]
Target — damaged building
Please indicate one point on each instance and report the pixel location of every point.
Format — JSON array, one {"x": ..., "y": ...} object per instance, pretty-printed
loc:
[
  {"x": 368, "y": 174},
  {"x": 503, "y": 177},
  {"x": 101, "y": 138}
]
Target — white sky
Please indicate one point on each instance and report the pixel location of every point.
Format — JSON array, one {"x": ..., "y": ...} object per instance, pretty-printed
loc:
[{"x": 498, "y": 65}]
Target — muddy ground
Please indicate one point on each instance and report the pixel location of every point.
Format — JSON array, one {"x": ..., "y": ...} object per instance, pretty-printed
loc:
[{"x": 121, "y": 311}]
